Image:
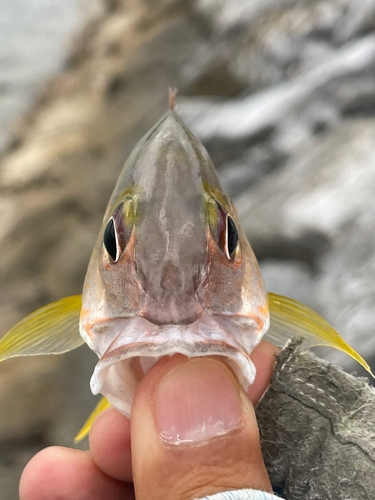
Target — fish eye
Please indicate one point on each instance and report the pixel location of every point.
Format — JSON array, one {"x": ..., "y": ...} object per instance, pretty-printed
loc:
[
  {"x": 114, "y": 237},
  {"x": 232, "y": 237},
  {"x": 110, "y": 241},
  {"x": 223, "y": 229}
]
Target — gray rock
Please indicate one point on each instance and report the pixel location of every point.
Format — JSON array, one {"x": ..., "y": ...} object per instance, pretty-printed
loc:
[
  {"x": 284, "y": 105},
  {"x": 28, "y": 30},
  {"x": 317, "y": 204},
  {"x": 292, "y": 278}
]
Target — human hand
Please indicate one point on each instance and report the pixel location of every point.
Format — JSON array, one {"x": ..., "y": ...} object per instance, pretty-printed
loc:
[{"x": 196, "y": 403}]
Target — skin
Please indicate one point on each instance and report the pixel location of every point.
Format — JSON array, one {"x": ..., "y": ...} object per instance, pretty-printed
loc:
[{"x": 125, "y": 455}]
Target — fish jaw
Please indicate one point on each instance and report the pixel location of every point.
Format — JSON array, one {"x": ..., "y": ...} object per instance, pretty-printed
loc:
[{"x": 133, "y": 345}]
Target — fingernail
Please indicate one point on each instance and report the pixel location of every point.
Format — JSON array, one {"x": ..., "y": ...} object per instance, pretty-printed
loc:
[{"x": 197, "y": 400}]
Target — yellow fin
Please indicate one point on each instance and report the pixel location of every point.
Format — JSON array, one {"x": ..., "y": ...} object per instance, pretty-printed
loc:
[
  {"x": 290, "y": 318},
  {"x": 101, "y": 406},
  {"x": 52, "y": 329}
]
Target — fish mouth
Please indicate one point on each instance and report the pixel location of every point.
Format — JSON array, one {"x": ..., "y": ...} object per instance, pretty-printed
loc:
[{"x": 136, "y": 344}]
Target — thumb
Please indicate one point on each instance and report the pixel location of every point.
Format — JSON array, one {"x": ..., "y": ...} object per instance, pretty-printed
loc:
[{"x": 193, "y": 432}]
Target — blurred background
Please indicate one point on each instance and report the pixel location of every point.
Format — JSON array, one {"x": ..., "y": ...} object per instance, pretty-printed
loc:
[{"x": 281, "y": 92}]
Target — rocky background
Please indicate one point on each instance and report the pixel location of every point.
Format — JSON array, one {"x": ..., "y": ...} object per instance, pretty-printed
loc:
[{"x": 282, "y": 92}]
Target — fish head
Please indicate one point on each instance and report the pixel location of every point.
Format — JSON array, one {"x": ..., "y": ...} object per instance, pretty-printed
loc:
[{"x": 172, "y": 270}]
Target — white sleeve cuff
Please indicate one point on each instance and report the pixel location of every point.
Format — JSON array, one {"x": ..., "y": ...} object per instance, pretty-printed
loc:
[{"x": 245, "y": 494}]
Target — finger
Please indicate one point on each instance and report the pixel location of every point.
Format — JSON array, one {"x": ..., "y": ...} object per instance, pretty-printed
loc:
[
  {"x": 264, "y": 359},
  {"x": 193, "y": 432},
  {"x": 110, "y": 433},
  {"x": 60, "y": 473},
  {"x": 110, "y": 444}
]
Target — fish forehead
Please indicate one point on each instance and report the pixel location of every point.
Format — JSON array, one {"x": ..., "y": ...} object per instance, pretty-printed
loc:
[
  {"x": 170, "y": 172},
  {"x": 171, "y": 161},
  {"x": 168, "y": 164},
  {"x": 172, "y": 226}
]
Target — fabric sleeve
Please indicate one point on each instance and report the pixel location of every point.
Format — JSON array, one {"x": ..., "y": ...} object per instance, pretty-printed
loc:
[
  {"x": 317, "y": 426},
  {"x": 245, "y": 494}
]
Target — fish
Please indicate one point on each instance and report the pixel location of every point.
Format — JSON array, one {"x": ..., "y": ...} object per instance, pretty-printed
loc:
[{"x": 171, "y": 272}]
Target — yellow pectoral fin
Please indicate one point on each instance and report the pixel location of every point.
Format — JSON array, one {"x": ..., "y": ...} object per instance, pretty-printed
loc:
[
  {"x": 52, "y": 329},
  {"x": 101, "y": 406},
  {"x": 290, "y": 318}
]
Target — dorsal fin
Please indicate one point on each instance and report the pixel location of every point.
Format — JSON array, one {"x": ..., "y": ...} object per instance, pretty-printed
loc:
[{"x": 172, "y": 98}]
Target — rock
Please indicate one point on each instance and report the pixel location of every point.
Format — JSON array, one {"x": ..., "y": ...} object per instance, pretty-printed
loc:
[
  {"x": 27, "y": 31},
  {"x": 292, "y": 278},
  {"x": 315, "y": 204},
  {"x": 32, "y": 382}
]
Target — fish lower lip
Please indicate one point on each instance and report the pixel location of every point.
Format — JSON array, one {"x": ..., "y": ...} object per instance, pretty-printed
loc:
[{"x": 129, "y": 356}]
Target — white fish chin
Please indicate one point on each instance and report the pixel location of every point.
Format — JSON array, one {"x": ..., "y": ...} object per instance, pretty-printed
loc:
[{"x": 133, "y": 345}]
